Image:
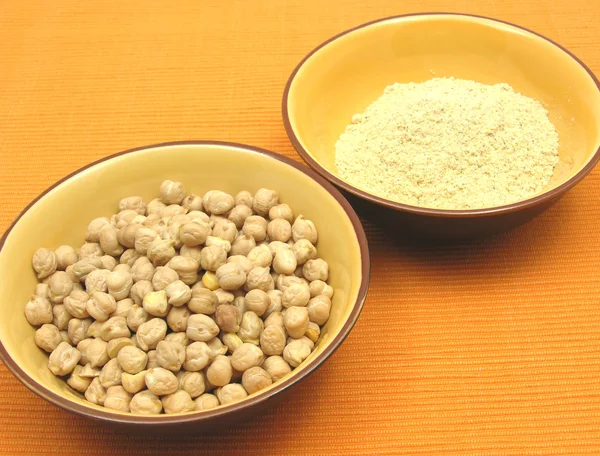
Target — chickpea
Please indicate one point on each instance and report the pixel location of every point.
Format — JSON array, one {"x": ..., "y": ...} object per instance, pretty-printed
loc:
[
  {"x": 47, "y": 337},
  {"x": 42, "y": 290},
  {"x": 44, "y": 262},
  {"x": 255, "y": 379},
  {"x": 295, "y": 320},
  {"x": 313, "y": 332},
  {"x": 228, "y": 318},
  {"x": 96, "y": 394},
  {"x": 304, "y": 229},
  {"x": 219, "y": 372},
  {"x": 296, "y": 352},
  {"x": 109, "y": 242},
  {"x": 276, "y": 367},
  {"x": 145, "y": 403},
  {"x": 244, "y": 198},
  {"x": 155, "y": 207},
  {"x": 257, "y": 301},
  {"x": 163, "y": 277},
  {"x": 123, "y": 308},
  {"x": 242, "y": 245},
  {"x": 142, "y": 269},
  {"x": 108, "y": 262},
  {"x": 259, "y": 278},
  {"x": 225, "y": 229},
  {"x": 126, "y": 235},
  {"x": 101, "y": 305},
  {"x": 114, "y": 346},
  {"x": 94, "y": 227},
  {"x": 73, "y": 276},
  {"x": 64, "y": 335},
  {"x": 152, "y": 362},
  {"x": 139, "y": 290},
  {"x": 155, "y": 303},
  {"x": 246, "y": 356},
  {"x": 113, "y": 328},
  {"x": 161, "y": 251},
  {"x": 317, "y": 269},
  {"x": 195, "y": 233},
  {"x": 273, "y": 340},
  {"x": 240, "y": 303},
  {"x": 119, "y": 284},
  {"x": 280, "y": 230},
  {"x": 285, "y": 262},
  {"x": 91, "y": 249},
  {"x": 238, "y": 216},
  {"x": 134, "y": 383},
  {"x": 96, "y": 281},
  {"x": 172, "y": 192},
  {"x": 260, "y": 256},
  {"x": 276, "y": 246},
  {"x": 212, "y": 257},
  {"x": 88, "y": 371},
  {"x": 77, "y": 329},
  {"x": 192, "y": 383},
  {"x": 218, "y": 202},
  {"x": 77, "y": 382},
  {"x": 304, "y": 340},
  {"x": 250, "y": 328},
  {"x": 255, "y": 226},
  {"x": 304, "y": 251},
  {"x": 135, "y": 203},
  {"x": 117, "y": 398},
  {"x": 97, "y": 353},
  {"x": 276, "y": 318},
  {"x": 178, "y": 337},
  {"x": 275, "y": 304},
  {"x": 123, "y": 218},
  {"x": 319, "y": 309},
  {"x": 161, "y": 381},
  {"x": 136, "y": 317},
  {"x": 264, "y": 200},
  {"x": 318, "y": 287},
  {"x": 197, "y": 356},
  {"x": 61, "y": 317},
  {"x": 82, "y": 268},
  {"x": 243, "y": 261},
  {"x": 178, "y": 402},
  {"x": 131, "y": 359},
  {"x": 231, "y": 341},
  {"x": 192, "y": 202},
  {"x": 296, "y": 295},
  {"x": 281, "y": 211},
  {"x": 149, "y": 334},
  {"x": 143, "y": 238},
  {"x": 63, "y": 359},
  {"x": 231, "y": 276},
  {"x": 203, "y": 301},
  {"x": 38, "y": 311},
  {"x": 177, "y": 318},
  {"x": 201, "y": 328},
  {"x": 65, "y": 256},
  {"x": 230, "y": 393},
  {"x": 186, "y": 268},
  {"x": 110, "y": 375}
]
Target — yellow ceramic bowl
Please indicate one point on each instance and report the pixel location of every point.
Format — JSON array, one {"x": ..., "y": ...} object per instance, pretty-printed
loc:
[
  {"x": 348, "y": 72},
  {"x": 60, "y": 216}
]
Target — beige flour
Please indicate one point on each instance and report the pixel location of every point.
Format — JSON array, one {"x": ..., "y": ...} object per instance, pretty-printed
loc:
[{"x": 449, "y": 144}]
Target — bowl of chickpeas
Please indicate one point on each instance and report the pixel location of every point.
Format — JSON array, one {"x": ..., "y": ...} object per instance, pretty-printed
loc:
[{"x": 179, "y": 284}]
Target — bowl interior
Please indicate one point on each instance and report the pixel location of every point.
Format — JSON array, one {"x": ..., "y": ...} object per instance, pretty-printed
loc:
[
  {"x": 347, "y": 74},
  {"x": 61, "y": 217}
]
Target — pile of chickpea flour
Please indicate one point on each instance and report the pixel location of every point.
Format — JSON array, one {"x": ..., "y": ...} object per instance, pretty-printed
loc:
[
  {"x": 449, "y": 144},
  {"x": 183, "y": 303}
]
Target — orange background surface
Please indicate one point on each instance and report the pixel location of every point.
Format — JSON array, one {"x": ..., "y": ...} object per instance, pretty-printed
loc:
[{"x": 488, "y": 347}]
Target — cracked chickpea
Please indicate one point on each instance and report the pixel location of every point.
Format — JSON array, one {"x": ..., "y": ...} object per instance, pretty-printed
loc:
[
  {"x": 97, "y": 353},
  {"x": 77, "y": 382},
  {"x": 114, "y": 346},
  {"x": 114, "y": 328},
  {"x": 133, "y": 383},
  {"x": 96, "y": 393},
  {"x": 155, "y": 303}
]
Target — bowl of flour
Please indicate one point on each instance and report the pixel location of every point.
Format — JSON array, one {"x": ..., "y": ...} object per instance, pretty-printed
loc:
[{"x": 446, "y": 125}]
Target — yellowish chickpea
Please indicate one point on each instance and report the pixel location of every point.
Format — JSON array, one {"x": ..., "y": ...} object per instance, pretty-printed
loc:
[
  {"x": 47, "y": 337},
  {"x": 110, "y": 375},
  {"x": 149, "y": 334},
  {"x": 319, "y": 309},
  {"x": 210, "y": 281},
  {"x": 313, "y": 332},
  {"x": 255, "y": 226},
  {"x": 186, "y": 268},
  {"x": 77, "y": 329},
  {"x": 60, "y": 317},
  {"x": 230, "y": 393},
  {"x": 117, "y": 398},
  {"x": 264, "y": 200},
  {"x": 246, "y": 356},
  {"x": 276, "y": 367},
  {"x": 228, "y": 318},
  {"x": 63, "y": 359},
  {"x": 295, "y": 320},
  {"x": 281, "y": 211},
  {"x": 242, "y": 245},
  {"x": 172, "y": 192},
  {"x": 82, "y": 268},
  {"x": 201, "y": 328},
  {"x": 101, "y": 305},
  {"x": 96, "y": 281},
  {"x": 163, "y": 277},
  {"x": 65, "y": 256},
  {"x": 197, "y": 356},
  {"x": 88, "y": 371},
  {"x": 231, "y": 341},
  {"x": 155, "y": 303},
  {"x": 178, "y": 402},
  {"x": 139, "y": 290},
  {"x": 273, "y": 340},
  {"x": 318, "y": 287},
  {"x": 96, "y": 393},
  {"x": 38, "y": 311},
  {"x": 119, "y": 284},
  {"x": 192, "y": 383},
  {"x": 316, "y": 269},
  {"x": 255, "y": 379},
  {"x": 280, "y": 230},
  {"x": 142, "y": 269},
  {"x": 114, "y": 346},
  {"x": 218, "y": 202},
  {"x": 77, "y": 382},
  {"x": 203, "y": 301},
  {"x": 134, "y": 383},
  {"x": 44, "y": 262},
  {"x": 177, "y": 318},
  {"x": 259, "y": 278}
]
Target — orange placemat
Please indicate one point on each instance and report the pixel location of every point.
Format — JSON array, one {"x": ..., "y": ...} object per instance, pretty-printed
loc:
[{"x": 491, "y": 347}]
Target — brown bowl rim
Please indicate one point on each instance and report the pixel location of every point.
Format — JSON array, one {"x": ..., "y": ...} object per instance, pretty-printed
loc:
[
  {"x": 199, "y": 417},
  {"x": 431, "y": 212}
]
